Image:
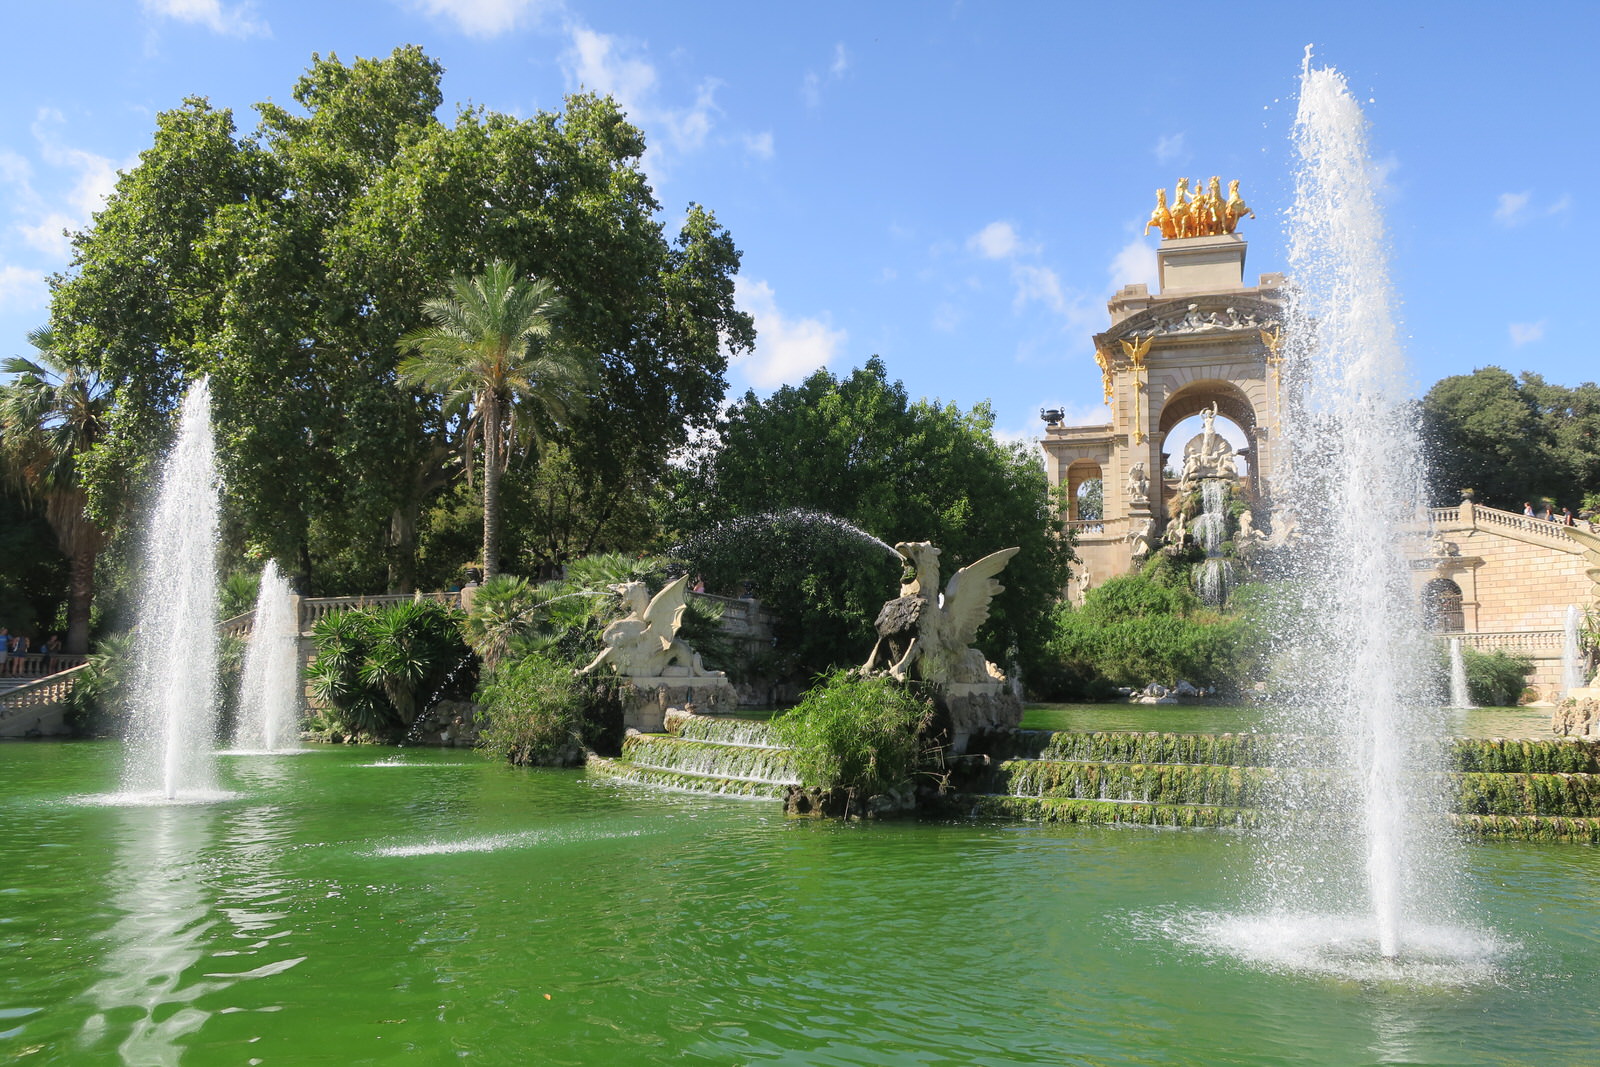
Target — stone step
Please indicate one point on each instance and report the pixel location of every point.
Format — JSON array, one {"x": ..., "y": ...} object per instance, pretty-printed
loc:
[
  {"x": 711, "y": 758},
  {"x": 686, "y": 782}
]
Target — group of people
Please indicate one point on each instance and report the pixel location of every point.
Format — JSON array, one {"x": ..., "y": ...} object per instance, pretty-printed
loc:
[
  {"x": 15, "y": 649},
  {"x": 1549, "y": 514}
]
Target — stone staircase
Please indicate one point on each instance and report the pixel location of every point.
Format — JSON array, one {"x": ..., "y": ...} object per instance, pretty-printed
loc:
[
  {"x": 707, "y": 754},
  {"x": 1513, "y": 789}
]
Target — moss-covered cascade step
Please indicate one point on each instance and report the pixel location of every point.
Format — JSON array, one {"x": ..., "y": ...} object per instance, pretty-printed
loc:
[
  {"x": 711, "y": 759},
  {"x": 1156, "y": 783},
  {"x": 1556, "y": 755},
  {"x": 1565, "y": 795},
  {"x": 1108, "y": 812},
  {"x": 1529, "y": 828},
  {"x": 1235, "y": 750},
  {"x": 1563, "y": 755},
  {"x": 694, "y": 783},
  {"x": 729, "y": 731}
]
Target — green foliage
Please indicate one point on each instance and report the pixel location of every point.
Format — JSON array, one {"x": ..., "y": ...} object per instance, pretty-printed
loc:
[
  {"x": 532, "y": 711},
  {"x": 238, "y": 593},
  {"x": 287, "y": 263},
  {"x": 1132, "y": 631},
  {"x": 857, "y": 448},
  {"x": 861, "y": 735},
  {"x": 1495, "y": 679},
  {"x": 99, "y": 700},
  {"x": 376, "y": 666},
  {"x": 1513, "y": 439}
]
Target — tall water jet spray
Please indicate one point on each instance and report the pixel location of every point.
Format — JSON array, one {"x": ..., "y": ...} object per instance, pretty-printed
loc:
[
  {"x": 1371, "y": 864},
  {"x": 269, "y": 705},
  {"x": 1460, "y": 695},
  {"x": 173, "y": 729},
  {"x": 1572, "y": 672}
]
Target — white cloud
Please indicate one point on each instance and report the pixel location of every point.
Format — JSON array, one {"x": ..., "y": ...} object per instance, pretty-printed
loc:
[
  {"x": 1170, "y": 149},
  {"x": 1135, "y": 263},
  {"x": 1511, "y": 208},
  {"x": 1525, "y": 333},
  {"x": 759, "y": 144},
  {"x": 487, "y": 18},
  {"x": 812, "y": 85},
  {"x": 236, "y": 20},
  {"x": 606, "y": 64},
  {"x": 1040, "y": 284},
  {"x": 22, "y": 289},
  {"x": 49, "y": 235},
  {"x": 998, "y": 240},
  {"x": 787, "y": 350}
]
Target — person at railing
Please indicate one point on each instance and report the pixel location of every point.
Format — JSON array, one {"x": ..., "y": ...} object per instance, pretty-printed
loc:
[
  {"x": 5, "y": 650},
  {"x": 19, "y": 653},
  {"x": 1566, "y": 517},
  {"x": 1527, "y": 508}
]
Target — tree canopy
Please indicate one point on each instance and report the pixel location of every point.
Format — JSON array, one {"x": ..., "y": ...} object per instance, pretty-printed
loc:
[
  {"x": 1512, "y": 438},
  {"x": 754, "y": 506},
  {"x": 287, "y": 264}
]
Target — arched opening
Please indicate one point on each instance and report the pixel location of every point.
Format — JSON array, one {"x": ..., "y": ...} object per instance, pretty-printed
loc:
[
  {"x": 1182, "y": 422},
  {"x": 1086, "y": 495},
  {"x": 1441, "y": 606}
]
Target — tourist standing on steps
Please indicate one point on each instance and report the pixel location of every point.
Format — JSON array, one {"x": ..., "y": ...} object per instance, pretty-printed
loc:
[
  {"x": 1527, "y": 508},
  {"x": 5, "y": 649}
]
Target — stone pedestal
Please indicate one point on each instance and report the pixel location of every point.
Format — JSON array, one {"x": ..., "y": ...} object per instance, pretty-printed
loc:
[
  {"x": 645, "y": 700},
  {"x": 970, "y": 708}
]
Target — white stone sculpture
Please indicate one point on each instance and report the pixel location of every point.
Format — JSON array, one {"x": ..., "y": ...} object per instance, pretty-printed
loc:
[
  {"x": 1138, "y": 484},
  {"x": 1140, "y": 538},
  {"x": 929, "y": 635},
  {"x": 645, "y": 643}
]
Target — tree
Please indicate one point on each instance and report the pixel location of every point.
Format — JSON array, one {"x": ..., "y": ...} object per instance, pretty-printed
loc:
[
  {"x": 763, "y": 505},
  {"x": 288, "y": 264},
  {"x": 51, "y": 415},
  {"x": 494, "y": 354},
  {"x": 1513, "y": 439}
]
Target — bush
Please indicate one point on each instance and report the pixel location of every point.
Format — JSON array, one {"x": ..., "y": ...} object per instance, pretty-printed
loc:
[
  {"x": 1495, "y": 679},
  {"x": 860, "y": 735},
  {"x": 376, "y": 667},
  {"x": 99, "y": 701},
  {"x": 532, "y": 711}
]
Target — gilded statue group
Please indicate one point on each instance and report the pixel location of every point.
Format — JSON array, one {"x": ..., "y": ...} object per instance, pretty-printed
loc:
[{"x": 1204, "y": 214}]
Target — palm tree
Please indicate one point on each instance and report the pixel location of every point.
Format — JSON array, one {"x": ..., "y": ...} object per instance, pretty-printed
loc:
[
  {"x": 493, "y": 352},
  {"x": 51, "y": 414}
]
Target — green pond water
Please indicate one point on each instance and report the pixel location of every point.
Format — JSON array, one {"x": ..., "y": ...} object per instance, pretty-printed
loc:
[{"x": 352, "y": 906}]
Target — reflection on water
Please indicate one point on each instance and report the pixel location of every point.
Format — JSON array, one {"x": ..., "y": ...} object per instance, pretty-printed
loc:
[{"x": 167, "y": 951}]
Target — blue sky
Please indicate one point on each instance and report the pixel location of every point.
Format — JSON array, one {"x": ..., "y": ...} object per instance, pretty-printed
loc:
[{"x": 957, "y": 187}]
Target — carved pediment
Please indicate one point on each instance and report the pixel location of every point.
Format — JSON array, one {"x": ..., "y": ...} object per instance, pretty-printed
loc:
[{"x": 1218, "y": 315}]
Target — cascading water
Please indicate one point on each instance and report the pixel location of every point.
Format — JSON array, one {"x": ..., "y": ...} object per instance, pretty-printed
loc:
[
  {"x": 172, "y": 734},
  {"x": 269, "y": 692},
  {"x": 1460, "y": 695},
  {"x": 1572, "y": 672},
  {"x": 1355, "y": 874},
  {"x": 1210, "y": 527}
]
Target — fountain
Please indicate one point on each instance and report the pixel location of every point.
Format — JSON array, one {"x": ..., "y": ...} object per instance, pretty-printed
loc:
[
  {"x": 1215, "y": 576},
  {"x": 172, "y": 734},
  {"x": 269, "y": 705},
  {"x": 1572, "y": 672},
  {"x": 1460, "y": 696},
  {"x": 1355, "y": 875}
]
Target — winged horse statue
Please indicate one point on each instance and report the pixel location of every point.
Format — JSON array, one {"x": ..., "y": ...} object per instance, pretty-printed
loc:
[
  {"x": 645, "y": 642},
  {"x": 927, "y": 633}
]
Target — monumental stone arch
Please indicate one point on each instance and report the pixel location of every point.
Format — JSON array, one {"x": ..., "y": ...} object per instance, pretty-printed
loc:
[{"x": 1205, "y": 343}]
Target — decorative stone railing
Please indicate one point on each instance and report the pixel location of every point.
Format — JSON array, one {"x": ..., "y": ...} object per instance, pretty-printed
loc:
[
  {"x": 1540, "y": 643},
  {"x": 1476, "y": 515},
  {"x": 314, "y": 609},
  {"x": 36, "y": 699},
  {"x": 40, "y": 664},
  {"x": 1091, "y": 526}
]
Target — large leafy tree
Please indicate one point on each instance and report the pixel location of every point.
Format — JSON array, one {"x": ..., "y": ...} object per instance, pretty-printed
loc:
[
  {"x": 755, "y": 507},
  {"x": 1513, "y": 438},
  {"x": 52, "y": 413},
  {"x": 493, "y": 352},
  {"x": 289, "y": 263}
]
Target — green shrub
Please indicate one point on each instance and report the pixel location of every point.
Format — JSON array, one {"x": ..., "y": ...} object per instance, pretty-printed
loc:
[
  {"x": 376, "y": 666},
  {"x": 99, "y": 702},
  {"x": 860, "y": 735},
  {"x": 1495, "y": 679},
  {"x": 532, "y": 711}
]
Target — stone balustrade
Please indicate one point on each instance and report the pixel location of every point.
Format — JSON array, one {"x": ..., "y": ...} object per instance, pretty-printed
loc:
[
  {"x": 36, "y": 707},
  {"x": 1523, "y": 642}
]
